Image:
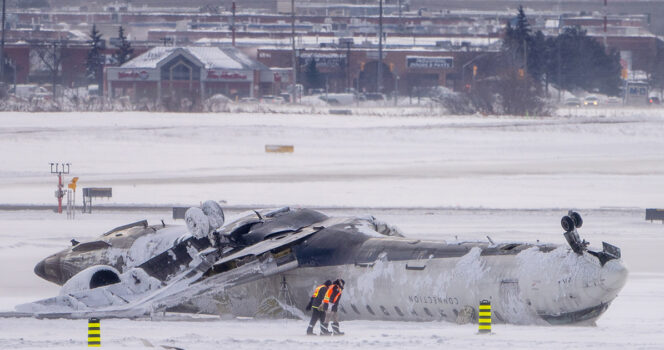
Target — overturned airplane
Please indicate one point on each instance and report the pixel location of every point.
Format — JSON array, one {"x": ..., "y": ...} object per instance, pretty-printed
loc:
[{"x": 271, "y": 259}]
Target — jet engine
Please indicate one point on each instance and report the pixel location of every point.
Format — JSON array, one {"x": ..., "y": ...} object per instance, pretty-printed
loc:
[{"x": 91, "y": 278}]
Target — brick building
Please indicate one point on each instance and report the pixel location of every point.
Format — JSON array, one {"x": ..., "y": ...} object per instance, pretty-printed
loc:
[{"x": 403, "y": 69}]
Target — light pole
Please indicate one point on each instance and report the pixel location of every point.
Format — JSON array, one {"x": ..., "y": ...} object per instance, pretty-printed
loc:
[
  {"x": 60, "y": 169},
  {"x": 396, "y": 87},
  {"x": 294, "y": 75},
  {"x": 379, "y": 75},
  {"x": 2, "y": 45}
]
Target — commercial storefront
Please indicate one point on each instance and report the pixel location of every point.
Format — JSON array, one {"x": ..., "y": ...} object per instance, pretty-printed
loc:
[
  {"x": 175, "y": 74},
  {"x": 405, "y": 70}
]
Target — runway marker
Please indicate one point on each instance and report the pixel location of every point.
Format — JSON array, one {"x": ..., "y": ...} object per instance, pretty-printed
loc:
[
  {"x": 94, "y": 333},
  {"x": 485, "y": 317}
]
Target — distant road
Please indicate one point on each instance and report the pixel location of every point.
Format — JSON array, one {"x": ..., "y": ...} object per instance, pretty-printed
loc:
[{"x": 615, "y": 7}]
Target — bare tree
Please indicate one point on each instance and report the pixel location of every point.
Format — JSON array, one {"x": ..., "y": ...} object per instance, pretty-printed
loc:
[{"x": 47, "y": 57}]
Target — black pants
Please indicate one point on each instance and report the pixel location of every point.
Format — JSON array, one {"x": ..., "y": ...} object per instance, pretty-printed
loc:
[{"x": 316, "y": 316}]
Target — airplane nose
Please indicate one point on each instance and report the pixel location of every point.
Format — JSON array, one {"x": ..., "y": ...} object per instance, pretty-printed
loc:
[
  {"x": 40, "y": 269},
  {"x": 50, "y": 269},
  {"x": 613, "y": 275}
]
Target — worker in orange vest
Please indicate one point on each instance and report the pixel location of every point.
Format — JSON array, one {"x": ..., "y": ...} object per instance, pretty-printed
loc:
[
  {"x": 315, "y": 303},
  {"x": 331, "y": 304}
]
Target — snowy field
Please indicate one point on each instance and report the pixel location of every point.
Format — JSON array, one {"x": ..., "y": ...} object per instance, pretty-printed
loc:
[{"x": 434, "y": 177}]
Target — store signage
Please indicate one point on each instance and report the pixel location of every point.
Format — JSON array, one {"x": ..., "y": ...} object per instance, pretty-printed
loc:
[
  {"x": 133, "y": 75},
  {"x": 220, "y": 75},
  {"x": 422, "y": 62}
]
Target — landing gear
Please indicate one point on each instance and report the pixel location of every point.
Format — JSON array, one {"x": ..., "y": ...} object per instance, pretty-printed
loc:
[
  {"x": 576, "y": 217},
  {"x": 570, "y": 223},
  {"x": 567, "y": 223}
]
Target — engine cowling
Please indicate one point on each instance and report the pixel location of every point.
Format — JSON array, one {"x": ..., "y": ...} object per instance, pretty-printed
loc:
[{"x": 91, "y": 278}]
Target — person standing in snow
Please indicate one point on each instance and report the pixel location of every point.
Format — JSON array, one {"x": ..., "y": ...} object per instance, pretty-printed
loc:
[
  {"x": 315, "y": 304},
  {"x": 331, "y": 304}
]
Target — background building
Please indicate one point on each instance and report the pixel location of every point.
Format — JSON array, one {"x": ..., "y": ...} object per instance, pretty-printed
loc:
[{"x": 175, "y": 75}]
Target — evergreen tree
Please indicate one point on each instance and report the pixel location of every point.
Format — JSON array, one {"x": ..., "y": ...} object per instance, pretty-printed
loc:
[
  {"x": 517, "y": 37},
  {"x": 519, "y": 84},
  {"x": 581, "y": 62},
  {"x": 657, "y": 68},
  {"x": 313, "y": 75},
  {"x": 124, "y": 51},
  {"x": 95, "y": 61},
  {"x": 538, "y": 56}
]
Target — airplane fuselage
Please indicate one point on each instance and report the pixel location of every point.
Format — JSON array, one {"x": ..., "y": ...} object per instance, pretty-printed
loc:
[{"x": 387, "y": 277}]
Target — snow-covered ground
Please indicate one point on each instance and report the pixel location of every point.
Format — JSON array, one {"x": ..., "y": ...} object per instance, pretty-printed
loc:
[{"x": 434, "y": 177}]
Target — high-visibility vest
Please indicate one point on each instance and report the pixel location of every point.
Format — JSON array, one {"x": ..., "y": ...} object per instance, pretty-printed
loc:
[
  {"x": 328, "y": 295},
  {"x": 318, "y": 290}
]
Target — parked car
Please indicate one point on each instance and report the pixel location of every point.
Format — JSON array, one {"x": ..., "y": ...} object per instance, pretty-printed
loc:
[
  {"x": 653, "y": 100},
  {"x": 573, "y": 102},
  {"x": 273, "y": 99},
  {"x": 248, "y": 100},
  {"x": 614, "y": 100},
  {"x": 591, "y": 101},
  {"x": 286, "y": 97},
  {"x": 374, "y": 96}
]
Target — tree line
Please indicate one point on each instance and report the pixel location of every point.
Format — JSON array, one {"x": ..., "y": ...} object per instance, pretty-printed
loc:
[
  {"x": 571, "y": 60},
  {"x": 517, "y": 80}
]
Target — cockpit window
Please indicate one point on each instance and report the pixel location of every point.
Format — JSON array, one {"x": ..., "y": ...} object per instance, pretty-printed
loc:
[{"x": 88, "y": 246}]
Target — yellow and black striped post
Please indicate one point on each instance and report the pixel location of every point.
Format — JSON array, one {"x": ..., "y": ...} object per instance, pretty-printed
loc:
[
  {"x": 94, "y": 332},
  {"x": 485, "y": 317}
]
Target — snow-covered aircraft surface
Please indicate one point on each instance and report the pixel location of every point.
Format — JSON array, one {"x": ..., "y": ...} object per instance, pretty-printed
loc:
[{"x": 267, "y": 262}]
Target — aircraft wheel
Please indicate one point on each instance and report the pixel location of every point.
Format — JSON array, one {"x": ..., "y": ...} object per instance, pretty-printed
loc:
[
  {"x": 197, "y": 222},
  {"x": 567, "y": 223},
  {"x": 578, "y": 221},
  {"x": 215, "y": 214}
]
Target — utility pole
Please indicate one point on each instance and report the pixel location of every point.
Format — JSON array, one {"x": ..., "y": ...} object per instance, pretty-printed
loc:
[
  {"x": 2, "y": 45},
  {"x": 379, "y": 75},
  {"x": 56, "y": 62},
  {"x": 233, "y": 23},
  {"x": 525, "y": 57},
  {"x": 294, "y": 75},
  {"x": 606, "y": 11},
  {"x": 560, "y": 76},
  {"x": 349, "y": 85}
]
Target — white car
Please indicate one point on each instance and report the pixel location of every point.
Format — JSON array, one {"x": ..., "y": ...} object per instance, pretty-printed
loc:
[{"x": 591, "y": 101}]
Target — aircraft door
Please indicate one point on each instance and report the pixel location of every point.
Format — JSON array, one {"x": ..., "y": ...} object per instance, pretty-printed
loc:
[{"x": 511, "y": 307}]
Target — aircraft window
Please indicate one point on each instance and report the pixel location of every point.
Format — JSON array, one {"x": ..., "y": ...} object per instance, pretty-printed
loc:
[
  {"x": 428, "y": 312},
  {"x": 384, "y": 310},
  {"x": 510, "y": 246},
  {"x": 88, "y": 246},
  {"x": 396, "y": 308},
  {"x": 143, "y": 223},
  {"x": 414, "y": 312},
  {"x": 370, "y": 311},
  {"x": 355, "y": 309},
  {"x": 442, "y": 313},
  {"x": 343, "y": 310}
]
